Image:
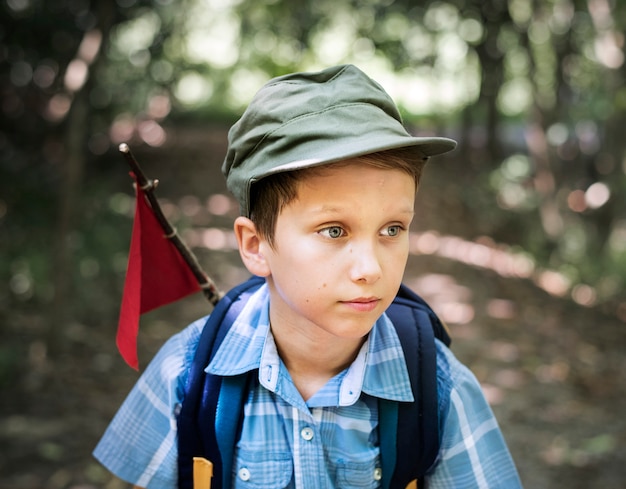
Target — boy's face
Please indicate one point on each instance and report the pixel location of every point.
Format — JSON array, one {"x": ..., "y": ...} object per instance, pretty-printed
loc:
[{"x": 340, "y": 249}]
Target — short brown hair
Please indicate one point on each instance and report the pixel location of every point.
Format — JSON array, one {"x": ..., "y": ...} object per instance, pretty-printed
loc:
[{"x": 271, "y": 194}]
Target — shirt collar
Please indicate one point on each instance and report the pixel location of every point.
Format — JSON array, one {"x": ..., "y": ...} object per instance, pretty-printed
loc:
[
  {"x": 242, "y": 346},
  {"x": 386, "y": 374},
  {"x": 379, "y": 369}
]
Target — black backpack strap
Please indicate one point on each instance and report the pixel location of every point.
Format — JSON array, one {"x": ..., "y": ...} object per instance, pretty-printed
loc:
[
  {"x": 205, "y": 393},
  {"x": 409, "y": 432}
]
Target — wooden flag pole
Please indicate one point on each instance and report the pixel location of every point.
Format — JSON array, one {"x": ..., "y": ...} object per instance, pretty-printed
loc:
[{"x": 210, "y": 290}]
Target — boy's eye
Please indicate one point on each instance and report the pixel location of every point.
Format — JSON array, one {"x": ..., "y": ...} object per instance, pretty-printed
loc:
[
  {"x": 333, "y": 232},
  {"x": 392, "y": 231}
]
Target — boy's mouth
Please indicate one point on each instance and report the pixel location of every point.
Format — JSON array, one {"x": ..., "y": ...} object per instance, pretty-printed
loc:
[{"x": 362, "y": 304}]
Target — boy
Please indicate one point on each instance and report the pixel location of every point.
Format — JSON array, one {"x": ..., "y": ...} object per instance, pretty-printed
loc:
[{"x": 326, "y": 177}]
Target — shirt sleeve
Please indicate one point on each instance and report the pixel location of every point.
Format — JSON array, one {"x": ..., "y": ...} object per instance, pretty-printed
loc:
[
  {"x": 139, "y": 445},
  {"x": 473, "y": 452}
]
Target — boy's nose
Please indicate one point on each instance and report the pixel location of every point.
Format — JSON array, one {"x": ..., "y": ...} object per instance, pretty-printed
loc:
[{"x": 366, "y": 266}]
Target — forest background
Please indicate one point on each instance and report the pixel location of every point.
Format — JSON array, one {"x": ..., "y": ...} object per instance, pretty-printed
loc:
[{"x": 519, "y": 244}]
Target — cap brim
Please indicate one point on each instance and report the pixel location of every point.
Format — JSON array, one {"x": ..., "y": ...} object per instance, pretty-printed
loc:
[{"x": 427, "y": 146}]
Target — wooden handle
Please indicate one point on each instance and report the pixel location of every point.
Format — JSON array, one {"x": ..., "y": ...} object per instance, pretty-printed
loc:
[{"x": 202, "y": 473}]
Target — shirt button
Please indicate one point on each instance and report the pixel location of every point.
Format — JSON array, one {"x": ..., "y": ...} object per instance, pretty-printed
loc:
[
  {"x": 307, "y": 434},
  {"x": 244, "y": 474},
  {"x": 378, "y": 473}
]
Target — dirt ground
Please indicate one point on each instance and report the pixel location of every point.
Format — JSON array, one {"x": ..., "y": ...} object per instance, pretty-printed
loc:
[{"x": 553, "y": 370}]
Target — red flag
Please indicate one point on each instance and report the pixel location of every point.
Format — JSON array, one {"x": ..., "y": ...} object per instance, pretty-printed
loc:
[{"x": 156, "y": 275}]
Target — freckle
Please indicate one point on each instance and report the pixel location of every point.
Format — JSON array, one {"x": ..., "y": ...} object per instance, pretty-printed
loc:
[{"x": 324, "y": 286}]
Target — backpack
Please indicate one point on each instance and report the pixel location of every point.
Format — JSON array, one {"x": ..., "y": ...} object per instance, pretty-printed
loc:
[{"x": 210, "y": 419}]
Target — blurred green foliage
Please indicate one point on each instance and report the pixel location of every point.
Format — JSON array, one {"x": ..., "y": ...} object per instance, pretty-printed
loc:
[{"x": 533, "y": 90}]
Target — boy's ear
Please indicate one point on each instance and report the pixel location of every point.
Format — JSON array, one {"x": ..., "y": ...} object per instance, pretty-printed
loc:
[{"x": 250, "y": 247}]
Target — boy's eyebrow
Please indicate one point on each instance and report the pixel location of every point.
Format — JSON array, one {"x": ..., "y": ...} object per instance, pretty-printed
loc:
[{"x": 333, "y": 209}]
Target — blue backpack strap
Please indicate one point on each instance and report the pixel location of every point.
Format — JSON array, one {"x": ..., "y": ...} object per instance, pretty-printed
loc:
[
  {"x": 210, "y": 400},
  {"x": 409, "y": 432},
  {"x": 387, "y": 429}
]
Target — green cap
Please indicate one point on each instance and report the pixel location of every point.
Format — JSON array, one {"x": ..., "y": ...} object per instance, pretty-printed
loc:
[{"x": 310, "y": 119}]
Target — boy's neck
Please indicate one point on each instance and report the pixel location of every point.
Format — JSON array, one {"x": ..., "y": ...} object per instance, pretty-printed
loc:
[{"x": 311, "y": 363}]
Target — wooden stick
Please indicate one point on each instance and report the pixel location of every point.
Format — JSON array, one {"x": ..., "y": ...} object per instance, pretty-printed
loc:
[{"x": 207, "y": 285}]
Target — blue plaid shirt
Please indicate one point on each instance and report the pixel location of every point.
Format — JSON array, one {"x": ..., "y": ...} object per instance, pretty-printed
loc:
[{"x": 329, "y": 441}]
